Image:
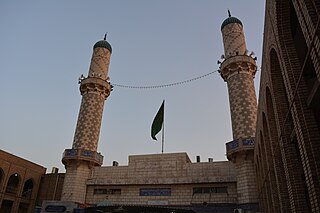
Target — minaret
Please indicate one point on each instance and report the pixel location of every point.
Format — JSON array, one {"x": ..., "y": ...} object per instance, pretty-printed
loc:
[
  {"x": 238, "y": 70},
  {"x": 83, "y": 155}
]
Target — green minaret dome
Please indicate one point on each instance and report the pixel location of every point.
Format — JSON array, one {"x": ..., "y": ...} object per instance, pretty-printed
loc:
[
  {"x": 103, "y": 44},
  {"x": 230, "y": 20}
]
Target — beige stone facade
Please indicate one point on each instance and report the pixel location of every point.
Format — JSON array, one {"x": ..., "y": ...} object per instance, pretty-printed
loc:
[
  {"x": 164, "y": 179},
  {"x": 287, "y": 159},
  {"x": 19, "y": 183}
]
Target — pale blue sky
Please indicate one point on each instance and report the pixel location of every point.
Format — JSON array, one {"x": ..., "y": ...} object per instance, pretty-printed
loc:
[{"x": 46, "y": 45}]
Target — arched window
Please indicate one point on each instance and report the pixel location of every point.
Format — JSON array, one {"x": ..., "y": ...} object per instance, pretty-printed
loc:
[
  {"x": 27, "y": 189},
  {"x": 13, "y": 183},
  {"x": 1, "y": 177},
  {"x": 309, "y": 72}
]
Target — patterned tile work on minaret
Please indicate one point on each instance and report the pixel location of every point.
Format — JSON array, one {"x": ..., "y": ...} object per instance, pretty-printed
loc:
[
  {"x": 100, "y": 62},
  {"x": 243, "y": 105},
  {"x": 89, "y": 122},
  {"x": 233, "y": 40}
]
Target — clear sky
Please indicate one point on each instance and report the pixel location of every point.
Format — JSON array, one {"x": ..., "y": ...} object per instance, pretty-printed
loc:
[{"x": 46, "y": 45}]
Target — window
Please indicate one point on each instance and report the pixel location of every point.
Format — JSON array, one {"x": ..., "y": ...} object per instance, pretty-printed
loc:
[
  {"x": 210, "y": 190},
  {"x": 197, "y": 190},
  {"x": 221, "y": 189},
  {"x": 1, "y": 176},
  {"x": 27, "y": 189},
  {"x": 107, "y": 191},
  {"x": 13, "y": 183}
]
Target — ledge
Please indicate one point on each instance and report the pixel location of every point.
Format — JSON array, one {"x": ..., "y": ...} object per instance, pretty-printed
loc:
[
  {"x": 82, "y": 155},
  {"x": 239, "y": 145},
  {"x": 237, "y": 64}
]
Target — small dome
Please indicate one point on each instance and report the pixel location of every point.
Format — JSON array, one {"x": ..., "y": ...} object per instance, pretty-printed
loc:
[
  {"x": 230, "y": 20},
  {"x": 103, "y": 44}
]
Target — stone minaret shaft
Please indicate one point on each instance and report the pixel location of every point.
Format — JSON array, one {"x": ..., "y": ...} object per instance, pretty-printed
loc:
[
  {"x": 94, "y": 90},
  {"x": 79, "y": 160},
  {"x": 238, "y": 70}
]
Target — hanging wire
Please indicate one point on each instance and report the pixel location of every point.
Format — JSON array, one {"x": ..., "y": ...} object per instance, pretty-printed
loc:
[{"x": 163, "y": 85}]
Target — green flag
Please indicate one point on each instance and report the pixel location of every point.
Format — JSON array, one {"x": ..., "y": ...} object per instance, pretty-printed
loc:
[{"x": 157, "y": 122}]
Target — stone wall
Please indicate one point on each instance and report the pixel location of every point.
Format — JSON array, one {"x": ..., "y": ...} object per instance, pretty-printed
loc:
[
  {"x": 172, "y": 173},
  {"x": 50, "y": 187}
]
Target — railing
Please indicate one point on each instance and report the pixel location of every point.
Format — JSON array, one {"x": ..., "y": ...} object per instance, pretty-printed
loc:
[
  {"x": 82, "y": 154},
  {"x": 12, "y": 189},
  {"x": 232, "y": 145},
  {"x": 239, "y": 145},
  {"x": 27, "y": 194}
]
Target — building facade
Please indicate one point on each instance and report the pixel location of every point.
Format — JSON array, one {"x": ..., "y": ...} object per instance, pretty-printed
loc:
[
  {"x": 168, "y": 179},
  {"x": 50, "y": 187},
  {"x": 286, "y": 155},
  {"x": 164, "y": 179},
  {"x": 19, "y": 183}
]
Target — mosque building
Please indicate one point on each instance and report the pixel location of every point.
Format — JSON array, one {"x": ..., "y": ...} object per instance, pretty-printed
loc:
[
  {"x": 167, "y": 179},
  {"x": 273, "y": 160}
]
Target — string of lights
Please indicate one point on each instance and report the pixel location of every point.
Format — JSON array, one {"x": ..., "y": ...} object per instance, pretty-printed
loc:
[{"x": 163, "y": 85}]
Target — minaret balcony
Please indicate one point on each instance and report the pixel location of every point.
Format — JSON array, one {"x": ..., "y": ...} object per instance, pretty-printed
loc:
[
  {"x": 239, "y": 146},
  {"x": 95, "y": 84},
  {"x": 82, "y": 155},
  {"x": 237, "y": 64}
]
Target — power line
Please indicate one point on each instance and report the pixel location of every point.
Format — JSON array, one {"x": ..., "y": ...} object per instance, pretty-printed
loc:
[{"x": 163, "y": 85}]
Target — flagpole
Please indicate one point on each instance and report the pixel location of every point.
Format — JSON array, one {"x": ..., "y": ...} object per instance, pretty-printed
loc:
[
  {"x": 162, "y": 134},
  {"x": 162, "y": 131}
]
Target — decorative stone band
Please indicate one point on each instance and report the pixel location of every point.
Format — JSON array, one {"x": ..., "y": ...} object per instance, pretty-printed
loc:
[
  {"x": 82, "y": 155},
  {"x": 239, "y": 145},
  {"x": 137, "y": 180},
  {"x": 237, "y": 64},
  {"x": 95, "y": 85}
]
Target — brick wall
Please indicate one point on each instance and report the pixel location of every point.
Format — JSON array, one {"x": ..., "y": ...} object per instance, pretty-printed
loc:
[{"x": 288, "y": 127}]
